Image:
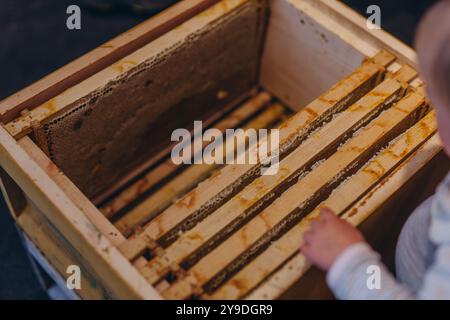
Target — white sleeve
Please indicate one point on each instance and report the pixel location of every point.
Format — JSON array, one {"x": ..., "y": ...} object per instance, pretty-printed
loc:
[
  {"x": 358, "y": 273},
  {"x": 436, "y": 284},
  {"x": 350, "y": 275}
]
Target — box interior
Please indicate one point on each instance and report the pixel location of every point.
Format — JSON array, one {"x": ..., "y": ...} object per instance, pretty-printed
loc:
[{"x": 198, "y": 71}]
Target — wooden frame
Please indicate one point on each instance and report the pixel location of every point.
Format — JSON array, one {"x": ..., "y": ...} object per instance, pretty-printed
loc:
[{"x": 41, "y": 197}]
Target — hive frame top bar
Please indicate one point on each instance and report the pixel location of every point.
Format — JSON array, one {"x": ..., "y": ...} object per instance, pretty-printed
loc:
[{"x": 99, "y": 58}]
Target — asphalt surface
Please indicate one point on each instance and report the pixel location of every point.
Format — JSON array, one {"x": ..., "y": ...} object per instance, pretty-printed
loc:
[{"x": 35, "y": 41}]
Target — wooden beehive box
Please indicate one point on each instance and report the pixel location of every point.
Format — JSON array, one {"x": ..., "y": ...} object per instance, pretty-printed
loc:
[{"x": 85, "y": 152}]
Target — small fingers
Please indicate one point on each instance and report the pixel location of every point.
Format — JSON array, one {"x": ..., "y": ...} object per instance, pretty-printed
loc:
[
  {"x": 327, "y": 213},
  {"x": 314, "y": 225},
  {"x": 307, "y": 237},
  {"x": 305, "y": 249}
]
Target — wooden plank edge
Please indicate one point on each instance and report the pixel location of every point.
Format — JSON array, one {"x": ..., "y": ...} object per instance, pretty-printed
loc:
[{"x": 57, "y": 253}]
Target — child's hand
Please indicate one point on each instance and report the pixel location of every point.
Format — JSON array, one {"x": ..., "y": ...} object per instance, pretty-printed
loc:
[{"x": 327, "y": 238}]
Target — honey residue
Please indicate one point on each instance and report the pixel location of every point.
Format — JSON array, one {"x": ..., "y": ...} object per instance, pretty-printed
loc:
[
  {"x": 123, "y": 65},
  {"x": 188, "y": 201}
]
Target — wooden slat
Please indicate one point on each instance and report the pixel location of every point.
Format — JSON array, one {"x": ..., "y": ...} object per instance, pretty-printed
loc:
[
  {"x": 188, "y": 179},
  {"x": 168, "y": 167},
  {"x": 292, "y": 270},
  {"x": 405, "y": 74},
  {"x": 99, "y": 58},
  {"x": 265, "y": 187},
  {"x": 304, "y": 192},
  {"x": 217, "y": 189}
]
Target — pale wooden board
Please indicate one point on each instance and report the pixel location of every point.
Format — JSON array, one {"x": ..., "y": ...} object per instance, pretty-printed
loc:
[
  {"x": 321, "y": 40},
  {"x": 304, "y": 191},
  {"x": 301, "y": 57},
  {"x": 297, "y": 127},
  {"x": 60, "y": 254},
  {"x": 341, "y": 17}
]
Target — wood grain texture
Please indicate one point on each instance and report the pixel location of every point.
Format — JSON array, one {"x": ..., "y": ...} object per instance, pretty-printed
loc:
[{"x": 61, "y": 254}]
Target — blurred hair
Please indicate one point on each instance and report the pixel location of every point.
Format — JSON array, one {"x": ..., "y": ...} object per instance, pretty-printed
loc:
[{"x": 433, "y": 47}]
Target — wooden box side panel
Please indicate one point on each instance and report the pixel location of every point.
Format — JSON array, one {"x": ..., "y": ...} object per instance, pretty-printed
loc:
[
  {"x": 322, "y": 41},
  {"x": 60, "y": 254},
  {"x": 302, "y": 58},
  {"x": 71, "y": 221}
]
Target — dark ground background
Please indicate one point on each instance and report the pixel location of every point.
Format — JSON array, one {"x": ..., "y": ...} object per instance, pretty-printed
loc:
[{"x": 34, "y": 41}]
